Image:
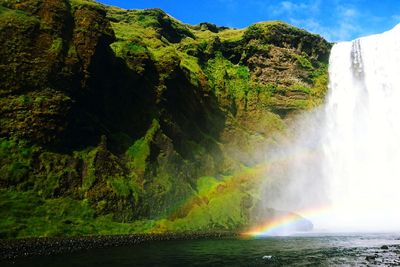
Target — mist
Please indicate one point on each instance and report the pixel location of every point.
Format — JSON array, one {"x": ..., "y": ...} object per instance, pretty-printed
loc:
[{"x": 340, "y": 167}]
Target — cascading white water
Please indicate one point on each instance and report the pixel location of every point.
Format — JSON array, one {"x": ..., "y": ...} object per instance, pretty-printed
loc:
[
  {"x": 361, "y": 135},
  {"x": 341, "y": 167}
]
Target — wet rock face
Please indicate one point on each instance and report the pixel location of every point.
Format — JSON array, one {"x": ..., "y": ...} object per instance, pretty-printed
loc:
[
  {"x": 278, "y": 66},
  {"x": 166, "y": 26},
  {"x": 39, "y": 116},
  {"x": 24, "y": 56},
  {"x": 280, "y": 54},
  {"x": 283, "y": 35},
  {"x": 125, "y": 111},
  {"x": 32, "y": 108},
  {"x": 46, "y": 56},
  {"x": 92, "y": 34}
]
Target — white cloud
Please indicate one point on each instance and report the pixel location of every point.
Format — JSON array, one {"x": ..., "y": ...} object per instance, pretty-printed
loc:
[
  {"x": 342, "y": 31},
  {"x": 313, "y": 26},
  {"x": 396, "y": 18},
  {"x": 289, "y": 7},
  {"x": 344, "y": 24},
  {"x": 347, "y": 12}
]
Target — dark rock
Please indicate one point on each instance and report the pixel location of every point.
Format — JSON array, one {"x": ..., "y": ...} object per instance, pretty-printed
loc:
[
  {"x": 371, "y": 257},
  {"x": 209, "y": 26},
  {"x": 13, "y": 249}
]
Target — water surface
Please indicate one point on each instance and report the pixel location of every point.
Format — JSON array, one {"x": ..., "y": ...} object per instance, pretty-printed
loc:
[{"x": 309, "y": 250}]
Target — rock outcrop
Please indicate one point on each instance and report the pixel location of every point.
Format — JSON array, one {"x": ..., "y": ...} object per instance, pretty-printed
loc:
[{"x": 122, "y": 121}]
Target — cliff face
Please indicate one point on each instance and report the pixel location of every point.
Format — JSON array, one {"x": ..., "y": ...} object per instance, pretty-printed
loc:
[{"x": 116, "y": 121}]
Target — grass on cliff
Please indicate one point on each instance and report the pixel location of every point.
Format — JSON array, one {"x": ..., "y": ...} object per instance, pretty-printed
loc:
[
  {"x": 216, "y": 204},
  {"x": 25, "y": 214},
  {"x": 140, "y": 32},
  {"x": 15, "y": 161},
  {"x": 76, "y": 4},
  {"x": 230, "y": 35},
  {"x": 270, "y": 29},
  {"x": 320, "y": 79},
  {"x": 138, "y": 153},
  {"x": 219, "y": 204},
  {"x": 225, "y": 78}
]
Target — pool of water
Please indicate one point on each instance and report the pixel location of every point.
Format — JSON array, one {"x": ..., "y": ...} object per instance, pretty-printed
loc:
[{"x": 306, "y": 250}]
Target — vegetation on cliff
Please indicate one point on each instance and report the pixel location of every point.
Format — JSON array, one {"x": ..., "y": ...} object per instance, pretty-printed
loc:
[{"x": 123, "y": 121}]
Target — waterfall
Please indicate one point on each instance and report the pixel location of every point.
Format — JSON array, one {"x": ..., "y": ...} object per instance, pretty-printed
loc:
[
  {"x": 360, "y": 135},
  {"x": 340, "y": 168}
]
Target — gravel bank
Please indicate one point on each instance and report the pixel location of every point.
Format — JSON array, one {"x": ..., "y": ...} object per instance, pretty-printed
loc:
[{"x": 13, "y": 249}]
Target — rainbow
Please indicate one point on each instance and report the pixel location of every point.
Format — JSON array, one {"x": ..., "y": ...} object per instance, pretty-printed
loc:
[{"x": 287, "y": 223}]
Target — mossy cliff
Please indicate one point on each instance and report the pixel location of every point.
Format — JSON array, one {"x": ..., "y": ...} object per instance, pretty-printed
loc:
[{"x": 116, "y": 121}]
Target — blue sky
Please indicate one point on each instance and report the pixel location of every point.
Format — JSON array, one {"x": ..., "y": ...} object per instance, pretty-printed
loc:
[{"x": 336, "y": 20}]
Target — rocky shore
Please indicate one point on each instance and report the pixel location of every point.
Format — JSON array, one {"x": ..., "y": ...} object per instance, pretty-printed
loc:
[{"x": 14, "y": 249}]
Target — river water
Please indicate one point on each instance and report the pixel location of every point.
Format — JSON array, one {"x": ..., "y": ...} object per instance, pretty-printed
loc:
[{"x": 305, "y": 250}]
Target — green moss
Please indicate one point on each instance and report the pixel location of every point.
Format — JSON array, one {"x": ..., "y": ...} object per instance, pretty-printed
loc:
[
  {"x": 125, "y": 187},
  {"x": 191, "y": 65},
  {"x": 53, "y": 167},
  {"x": 15, "y": 172},
  {"x": 243, "y": 73},
  {"x": 152, "y": 26},
  {"x": 253, "y": 32},
  {"x": 15, "y": 209},
  {"x": 138, "y": 153},
  {"x": 226, "y": 78},
  {"x": 227, "y": 35},
  {"x": 20, "y": 23},
  {"x": 257, "y": 47},
  {"x": 25, "y": 214},
  {"x": 132, "y": 32},
  {"x": 25, "y": 99},
  {"x": 123, "y": 48},
  {"x": 226, "y": 210},
  {"x": 28, "y": 215},
  {"x": 16, "y": 159},
  {"x": 155, "y": 33},
  {"x": 147, "y": 21},
  {"x": 206, "y": 183},
  {"x": 304, "y": 62},
  {"x": 6, "y": 13},
  {"x": 88, "y": 156},
  {"x": 219, "y": 205},
  {"x": 231, "y": 35},
  {"x": 272, "y": 29},
  {"x": 120, "y": 187},
  {"x": 300, "y": 104},
  {"x": 170, "y": 28},
  {"x": 3, "y": 9},
  {"x": 300, "y": 88},
  {"x": 166, "y": 57},
  {"x": 320, "y": 84},
  {"x": 77, "y": 4},
  {"x": 136, "y": 48},
  {"x": 56, "y": 46},
  {"x": 72, "y": 51}
]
